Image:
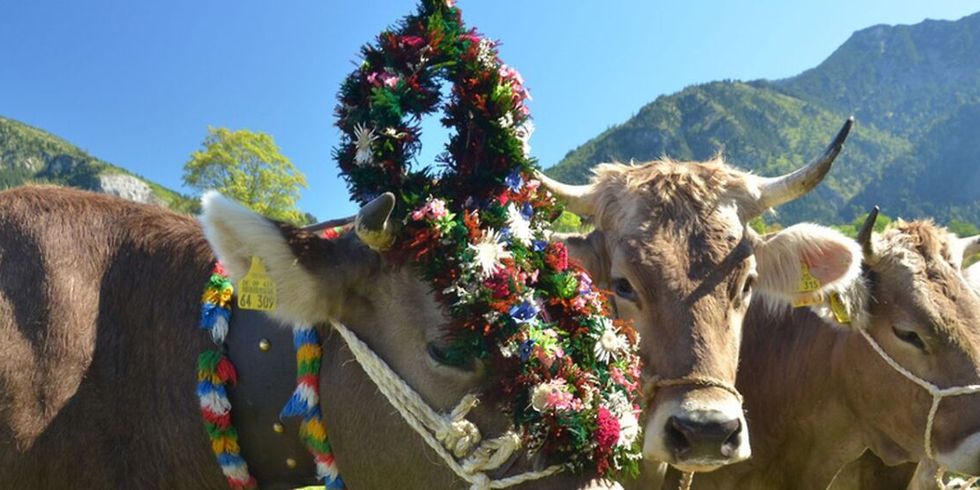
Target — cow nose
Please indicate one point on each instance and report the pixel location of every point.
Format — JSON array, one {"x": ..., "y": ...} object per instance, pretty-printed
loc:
[{"x": 703, "y": 437}]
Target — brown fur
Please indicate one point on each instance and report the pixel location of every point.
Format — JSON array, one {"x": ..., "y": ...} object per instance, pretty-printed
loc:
[
  {"x": 818, "y": 397},
  {"x": 99, "y": 300},
  {"x": 99, "y": 304}
]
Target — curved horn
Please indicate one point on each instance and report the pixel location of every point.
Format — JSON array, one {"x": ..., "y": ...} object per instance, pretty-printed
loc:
[
  {"x": 372, "y": 224},
  {"x": 864, "y": 236},
  {"x": 580, "y": 198},
  {"x": 785, "y": 188},
  {"x": 971, "y": 245}
]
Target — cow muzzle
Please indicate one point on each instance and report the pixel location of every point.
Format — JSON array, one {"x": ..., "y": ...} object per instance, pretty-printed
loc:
[{"x": 697, "y": 429}]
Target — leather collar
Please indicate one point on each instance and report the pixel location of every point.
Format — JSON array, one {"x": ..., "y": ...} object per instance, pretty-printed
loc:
[{"x": 263, "y": 354}]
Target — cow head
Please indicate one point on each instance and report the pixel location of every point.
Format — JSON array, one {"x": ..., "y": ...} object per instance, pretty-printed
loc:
[
  {"x": 348, "y": 281},
  {"x": 673, "y": 246},
  {"x": 920, "y": 309}
]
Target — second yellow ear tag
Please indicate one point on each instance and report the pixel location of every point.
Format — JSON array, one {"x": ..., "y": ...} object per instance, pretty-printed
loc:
[
  {"x": 808, "y": 283},
  {"x": 256, "y": 291},
  {"x": 839, "y": 308}
]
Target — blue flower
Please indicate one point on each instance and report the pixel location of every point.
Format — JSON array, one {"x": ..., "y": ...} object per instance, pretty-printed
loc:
[
  {"x": 539, "y": 245},
  {"x": 527, "y": 347},
  {"x": 527, "y": 211},
  {"x": 524, "y": 312},
  {"x": 514, "y": 181}
]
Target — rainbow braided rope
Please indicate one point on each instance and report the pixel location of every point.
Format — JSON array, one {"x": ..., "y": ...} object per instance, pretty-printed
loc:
[
  {"x": 306, "y": 402},
  {"x": 214, "y": 372}
]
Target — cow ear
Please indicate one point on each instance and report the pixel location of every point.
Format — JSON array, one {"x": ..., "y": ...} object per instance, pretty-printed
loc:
[
  {"x": 805, "y": 261},
  {"x": 237, "y": 234},
  {"x": 589, "y": 252}
]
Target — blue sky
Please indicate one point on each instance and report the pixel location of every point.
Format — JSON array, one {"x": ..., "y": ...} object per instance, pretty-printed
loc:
[{"x": 138, "y": 83}]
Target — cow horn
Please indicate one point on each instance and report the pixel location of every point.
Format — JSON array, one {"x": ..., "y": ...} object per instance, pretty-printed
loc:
[
  {"x": 864, "y": 236},
  {"x": 785, "y": 188},
  {"x": 372, "y": 224},
  {"x": 971, "y": 245},
  {"x": 580, "y": 198}
]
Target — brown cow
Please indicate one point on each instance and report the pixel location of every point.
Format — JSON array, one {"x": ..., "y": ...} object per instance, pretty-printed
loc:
[
  {"x": 817, "y": 393},
  {"x": 99, "y": 305},
  {"x": 673, "y": 245}
]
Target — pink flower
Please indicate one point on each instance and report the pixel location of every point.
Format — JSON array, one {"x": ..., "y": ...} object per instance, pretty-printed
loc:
[
  {"x": 606, "y": 433},
  {"x": 450, "y": 3},
  {"x": 533, "y": 184},
  {"x": 433, "y": 210},
  {"x": 510, "y": 74},
  {"x": 372, "y": 78},
  {"x": 471, "y": 37},
  {"x": 412, "y": 41},
  {"x": 391, "y": 81}
]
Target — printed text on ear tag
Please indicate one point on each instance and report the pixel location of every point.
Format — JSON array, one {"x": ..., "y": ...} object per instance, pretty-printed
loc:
[
  {"x": 805, "y": 299},
  {"x": 808, "y": 283},
  {"x": 256, "y": 291}
]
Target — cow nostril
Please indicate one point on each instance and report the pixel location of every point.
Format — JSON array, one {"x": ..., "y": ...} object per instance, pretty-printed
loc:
[
  {"x": 733, "y": 440},
  {"x": 677, "y": 440},
  {"x": 703, "y": 437}
]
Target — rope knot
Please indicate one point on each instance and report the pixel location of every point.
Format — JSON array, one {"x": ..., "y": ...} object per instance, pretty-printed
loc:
[{"x": 459, "y": 437}]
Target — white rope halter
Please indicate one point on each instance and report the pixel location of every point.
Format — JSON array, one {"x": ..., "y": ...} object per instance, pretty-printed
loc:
[
  {"x": 937, "y": 393},
  {"x": 451, "y": 436}
]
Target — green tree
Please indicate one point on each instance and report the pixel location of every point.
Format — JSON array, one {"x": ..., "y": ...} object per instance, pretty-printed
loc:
[{"x": 247, "y": 166}]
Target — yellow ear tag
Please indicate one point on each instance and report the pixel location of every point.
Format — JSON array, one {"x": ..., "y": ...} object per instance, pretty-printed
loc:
[
  {"x": 839, "y": 308},
  {"x": 256, "y": 291},
  {"x": 808, "y": 283},
  {"x": 807, "y": 300}
]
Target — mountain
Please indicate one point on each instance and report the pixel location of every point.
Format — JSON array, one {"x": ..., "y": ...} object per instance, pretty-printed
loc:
[
  {"x": 30, "y": 155},
  {"x": 915, "y": 91}
]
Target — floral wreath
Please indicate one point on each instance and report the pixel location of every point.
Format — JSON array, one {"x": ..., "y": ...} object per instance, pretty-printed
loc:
[{"x": 479, "y": 233}]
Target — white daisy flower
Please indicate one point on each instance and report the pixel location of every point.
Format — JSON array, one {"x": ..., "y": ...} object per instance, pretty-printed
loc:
[
  {"x": 610, "y": 344},
  {"x": 524, "y": 134},
  {"x": 485, "y": 54},
  {"x": 629, "y": 429},
  {"x": 520, "y": 228},
  {"x": 363, "y": 138},
  {"x": 489, "y": 253}
]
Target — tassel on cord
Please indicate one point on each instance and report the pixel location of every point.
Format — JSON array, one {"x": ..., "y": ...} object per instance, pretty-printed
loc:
[
  {"x": 305, "y": 402},
  {"x": 214, "y": 373}
]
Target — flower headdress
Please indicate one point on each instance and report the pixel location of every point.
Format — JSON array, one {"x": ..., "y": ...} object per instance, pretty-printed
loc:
[{"x": 479, "y": 233}]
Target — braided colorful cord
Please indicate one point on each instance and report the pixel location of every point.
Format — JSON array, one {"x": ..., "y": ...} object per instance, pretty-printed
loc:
[
  {"x": 214, "y": 372},
  {"x": 306, "y": 402}
]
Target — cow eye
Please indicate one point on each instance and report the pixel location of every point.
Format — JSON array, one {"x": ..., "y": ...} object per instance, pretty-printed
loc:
[
  {"x": 449, "y": 358},
  {"x": 910, "y": 337},
  {"x": 624, "y": 289}
]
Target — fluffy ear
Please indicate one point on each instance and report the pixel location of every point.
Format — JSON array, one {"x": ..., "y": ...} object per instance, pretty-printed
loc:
[
  {"x": 237, "y": 234},
  {"x": 806, "y": 261},
  {"x": 972, "y": 274}
]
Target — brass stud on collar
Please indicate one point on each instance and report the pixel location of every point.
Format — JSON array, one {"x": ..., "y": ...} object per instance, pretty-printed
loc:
[
  {"x": 264, "y": 345},
  {"x": 278, "y": 428},
  {"x": 291, "y": 463}
]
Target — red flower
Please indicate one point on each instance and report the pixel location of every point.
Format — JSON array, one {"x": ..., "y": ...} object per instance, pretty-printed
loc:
[
  {"x": 412, "y": 41},
  {"x": 557, "y": 256},
  {"x": 606, "y": 435},
  {"x": 499, "y": 284}
]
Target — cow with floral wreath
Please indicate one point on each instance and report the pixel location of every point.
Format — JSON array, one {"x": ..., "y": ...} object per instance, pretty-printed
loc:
[{"x": 451, "y": 280}]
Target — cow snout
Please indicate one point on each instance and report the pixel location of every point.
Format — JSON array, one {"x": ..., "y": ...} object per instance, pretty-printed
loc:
[{"x": 703, "y": 437}]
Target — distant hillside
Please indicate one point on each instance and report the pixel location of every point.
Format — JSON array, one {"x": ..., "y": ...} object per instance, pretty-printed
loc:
[
  {"x": 29, "y": 154},
  {"x": 916, "y": 149}
]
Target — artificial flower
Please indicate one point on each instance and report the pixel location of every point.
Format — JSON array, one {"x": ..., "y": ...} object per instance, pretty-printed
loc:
[
  {"x": 490, "y": 252},
  {"x": 610, "y": 343},
  {"x": 519, "y": 226},
  {"x": 363, "y": 138}
]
